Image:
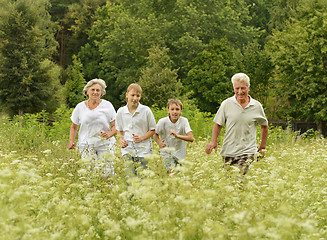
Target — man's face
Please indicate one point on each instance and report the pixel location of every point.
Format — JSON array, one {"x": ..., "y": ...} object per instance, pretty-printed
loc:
[{"x": 241, "y": 91}]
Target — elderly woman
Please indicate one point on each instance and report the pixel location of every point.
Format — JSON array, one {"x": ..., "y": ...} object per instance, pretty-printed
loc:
[{"x": 96, "y": 118}]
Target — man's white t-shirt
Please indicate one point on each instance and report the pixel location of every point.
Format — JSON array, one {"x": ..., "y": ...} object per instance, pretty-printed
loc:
[
  {"x": 139, "y": 124},
  {"x": 241, "y": 126},
  {"x": 92, "y": 123},
  {"x": 182, "y": 127}
]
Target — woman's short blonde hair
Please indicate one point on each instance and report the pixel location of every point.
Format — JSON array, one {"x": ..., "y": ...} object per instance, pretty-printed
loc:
[
  {"x": 241, "y": 77},
  {"x": 95, "y": 81}
]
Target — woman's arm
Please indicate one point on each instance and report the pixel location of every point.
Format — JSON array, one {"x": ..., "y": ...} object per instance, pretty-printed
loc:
[
  {"x": 72, "y": 135},
  {"x": 112, "y": 131}
]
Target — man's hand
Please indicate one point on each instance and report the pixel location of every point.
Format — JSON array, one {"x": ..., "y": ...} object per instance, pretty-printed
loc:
[
  {"x": 261, "y": 152},
  {"x": 210, "y": 147}
]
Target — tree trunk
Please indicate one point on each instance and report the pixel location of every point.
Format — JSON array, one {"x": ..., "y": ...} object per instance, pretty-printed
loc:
[{"x": 319, "y": 127}]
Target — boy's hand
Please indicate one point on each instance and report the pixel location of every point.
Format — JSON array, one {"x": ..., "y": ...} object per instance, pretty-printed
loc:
[
  {"x": 137, "y": 139},
  {"x": 173, "y": 132},
  {"x": 105, "y": 135},
  {"x": 123, "y": 143},
  {"x": 162, "y": 144}
]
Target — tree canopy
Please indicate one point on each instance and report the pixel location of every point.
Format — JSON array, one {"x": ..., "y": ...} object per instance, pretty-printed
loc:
[
  {"x": 193, "y": 45},
  {"x": 28, "y": 79},
  {"x": 299, "y": 54}
]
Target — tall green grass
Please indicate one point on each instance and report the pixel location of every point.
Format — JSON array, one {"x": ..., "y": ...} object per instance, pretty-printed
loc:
[{"x": 49, "y": 192}]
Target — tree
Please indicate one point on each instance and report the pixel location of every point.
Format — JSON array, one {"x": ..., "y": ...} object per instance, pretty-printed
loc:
[
  {"x": 299, "y": 54},
  {"x": 124, "y": 30},
  {"x": 75, "y": 83},
  {"x": 281, "y": 12},
  {"x": 29, "y": 81},
  {"x": 159, "y": 83},
  {"x": 209, "y": 77},
  {"x": 256, "y": 63}
]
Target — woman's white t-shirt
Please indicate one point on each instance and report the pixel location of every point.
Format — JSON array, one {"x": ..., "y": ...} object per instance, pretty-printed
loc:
[{"x": 92, "y": 123}]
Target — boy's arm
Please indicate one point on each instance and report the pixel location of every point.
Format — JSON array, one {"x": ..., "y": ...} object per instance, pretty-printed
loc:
[
  {"x": 123, "y": 143},
  {"x": 189, "y": 136},
  {"x": 147, "y": 135},
  {"x": 159, "y": 142}
]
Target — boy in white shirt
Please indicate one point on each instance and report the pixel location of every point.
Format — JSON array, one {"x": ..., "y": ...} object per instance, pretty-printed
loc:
[
  {"x": 174, "y": 131},
  {"x": 136, "y": 125}
]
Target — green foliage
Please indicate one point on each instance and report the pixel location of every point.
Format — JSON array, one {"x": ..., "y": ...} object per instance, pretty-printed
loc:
[
  {"x": 159, "y": 83},
  {"x": 52, "y": 193},
  {"x": 75, "y": 83},
  {"x": 256, "y": 63},
  {"x": 282, "y": 12},
  {"x": 209, "y": 77},
  {"x": 80, "y": 17},
  {"x": 299, "y": 54},
  {"x": 29, "y": 81},
  {"x": 31, "y": 132},
  {"x": 124, "y": 31},
  {"x": 59, "y": 130}
]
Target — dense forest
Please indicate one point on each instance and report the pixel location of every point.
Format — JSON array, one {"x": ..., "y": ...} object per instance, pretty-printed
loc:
[{"x": 184, "y": 48}]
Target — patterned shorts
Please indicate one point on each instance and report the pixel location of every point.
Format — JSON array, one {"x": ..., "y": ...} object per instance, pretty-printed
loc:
[{"x": 242, "y": 161}]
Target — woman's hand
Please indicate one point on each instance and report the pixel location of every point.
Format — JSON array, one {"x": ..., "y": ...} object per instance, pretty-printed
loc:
[{"x": 71, "y": 145}]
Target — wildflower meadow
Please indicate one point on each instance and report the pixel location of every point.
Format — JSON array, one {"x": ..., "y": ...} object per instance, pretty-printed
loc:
[{"x": 49, "y": 192}]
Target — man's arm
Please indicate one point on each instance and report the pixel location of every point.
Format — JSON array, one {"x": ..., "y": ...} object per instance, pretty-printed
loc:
[
  {"x": 264, "y": 137},
  {"x": 215, "y": 133}
]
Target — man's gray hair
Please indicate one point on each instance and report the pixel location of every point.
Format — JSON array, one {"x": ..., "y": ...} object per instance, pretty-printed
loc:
[
  {"x": 241, "y": 77},
  {"x": 95, "y": 81}
]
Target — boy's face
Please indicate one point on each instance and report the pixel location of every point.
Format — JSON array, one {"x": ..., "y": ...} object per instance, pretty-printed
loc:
[
  {"x": 175, "y": 112},
  {"x": 133, "y": 98}
]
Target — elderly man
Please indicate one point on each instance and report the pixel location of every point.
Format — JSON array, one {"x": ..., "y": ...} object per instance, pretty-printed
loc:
[{"x": 240, "y": 114}]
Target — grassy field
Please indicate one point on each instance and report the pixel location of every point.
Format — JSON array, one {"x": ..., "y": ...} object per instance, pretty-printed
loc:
[{"x": 48, "y": 192}]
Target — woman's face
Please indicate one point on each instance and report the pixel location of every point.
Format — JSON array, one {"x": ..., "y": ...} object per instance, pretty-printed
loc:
[{"x": 94, "y": 92}]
